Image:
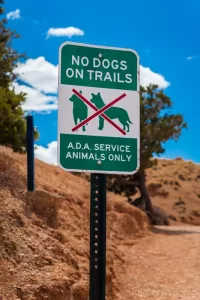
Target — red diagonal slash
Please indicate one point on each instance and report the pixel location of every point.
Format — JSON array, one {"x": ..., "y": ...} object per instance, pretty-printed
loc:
[{"x": 98, "y": 112}]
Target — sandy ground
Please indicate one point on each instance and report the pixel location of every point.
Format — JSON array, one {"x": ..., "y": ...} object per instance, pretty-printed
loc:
[{"x": 165, "y": 265}]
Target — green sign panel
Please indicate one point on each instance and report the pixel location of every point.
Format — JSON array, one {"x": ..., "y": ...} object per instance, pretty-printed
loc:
[{"x": 98, "y": 109}]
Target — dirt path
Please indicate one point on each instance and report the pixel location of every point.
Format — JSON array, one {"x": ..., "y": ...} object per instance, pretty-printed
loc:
[{"x": 165, "y": 265}]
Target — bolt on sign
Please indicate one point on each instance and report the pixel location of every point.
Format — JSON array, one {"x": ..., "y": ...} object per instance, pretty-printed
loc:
[{"x": 98, "y": 109}]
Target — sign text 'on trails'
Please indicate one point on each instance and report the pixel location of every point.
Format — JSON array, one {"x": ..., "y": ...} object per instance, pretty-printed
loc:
[{"x": 79, "y": 69}]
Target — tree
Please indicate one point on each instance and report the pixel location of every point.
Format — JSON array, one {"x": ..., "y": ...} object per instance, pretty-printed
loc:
[
  {"x": 157, "y": 126},
  {"x": 12, "y": 122},
  {"x": 8, "y": 56}
]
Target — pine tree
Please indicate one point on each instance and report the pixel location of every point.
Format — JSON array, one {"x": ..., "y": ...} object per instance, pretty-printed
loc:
[
  {"x": 8, "y": 56},
  {"x": 12, "y": 122}
]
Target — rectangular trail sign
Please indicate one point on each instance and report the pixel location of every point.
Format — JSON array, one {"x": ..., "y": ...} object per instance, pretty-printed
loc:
[{"x": 98, "y": 109}]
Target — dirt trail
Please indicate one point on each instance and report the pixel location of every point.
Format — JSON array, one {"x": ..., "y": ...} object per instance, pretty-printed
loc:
[{"x": 165, "y": 265}]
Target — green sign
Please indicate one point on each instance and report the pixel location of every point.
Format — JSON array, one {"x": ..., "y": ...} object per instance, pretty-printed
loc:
[{"x": 98, "y": 109}]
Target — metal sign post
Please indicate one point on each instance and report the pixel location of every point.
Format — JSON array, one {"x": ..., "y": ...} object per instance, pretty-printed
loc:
[
  {"x": 30, "y": 152},
  {"x": 98, "y": 237},
  {"x": 98, "y": 130}
]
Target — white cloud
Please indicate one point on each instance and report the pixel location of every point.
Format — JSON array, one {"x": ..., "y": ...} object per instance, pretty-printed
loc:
[
  {"x": 49, "y": 154},
  {"x": 147, "y": 76},
  {"x": 36, "y": 100},
  {"x": 14, "y": 14},
  {"x": 191, "y": 57},
  {"x": 68, "y": 31},
  {"x": 42, "y": 78},
  {"x": 40, "y": 74}
]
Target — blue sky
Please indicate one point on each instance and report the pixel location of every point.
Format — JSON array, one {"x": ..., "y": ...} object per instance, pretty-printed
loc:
[{"x": 164, "y": 33}]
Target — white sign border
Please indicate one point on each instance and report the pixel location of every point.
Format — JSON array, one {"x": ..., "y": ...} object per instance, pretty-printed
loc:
[{"x": 138, "y": 90}]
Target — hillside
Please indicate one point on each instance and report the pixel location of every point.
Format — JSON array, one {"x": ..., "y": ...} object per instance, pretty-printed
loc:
[
  {"x": 174, "y": 185},
  {"x": 44, "y": 236}
]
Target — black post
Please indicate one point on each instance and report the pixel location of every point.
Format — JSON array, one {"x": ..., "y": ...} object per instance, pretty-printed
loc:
[
  {"x": 98, "y": 237},
  {"x": 30, "y": 152}
]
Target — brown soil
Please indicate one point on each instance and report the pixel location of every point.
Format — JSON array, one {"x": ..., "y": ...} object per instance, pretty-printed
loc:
[
  {"x": 44, "y": 236},
  {"x": 163, "y": 266},
  {"x": 174, "y": 185}
]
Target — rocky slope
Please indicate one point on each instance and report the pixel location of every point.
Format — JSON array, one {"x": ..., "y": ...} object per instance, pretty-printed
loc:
[
  {"x": 44, "y": 236},
  {"x": 174, "y": 185}
]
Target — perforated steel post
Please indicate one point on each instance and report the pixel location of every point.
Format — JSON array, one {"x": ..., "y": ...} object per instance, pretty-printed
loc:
[
  {"x": 98, "y": 237},
  {"x": 30, "y": 152}
]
